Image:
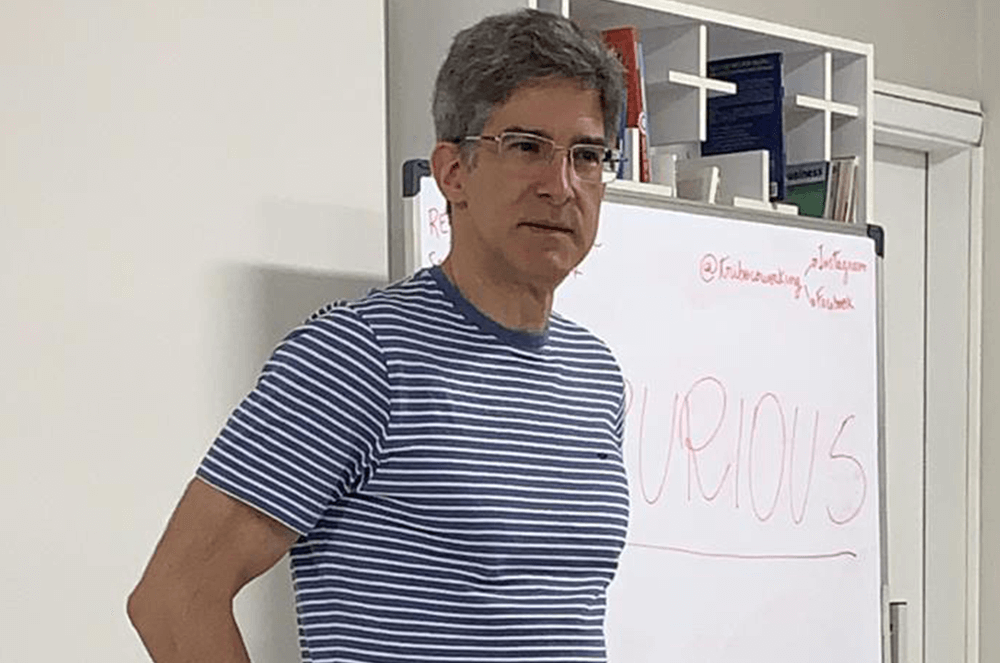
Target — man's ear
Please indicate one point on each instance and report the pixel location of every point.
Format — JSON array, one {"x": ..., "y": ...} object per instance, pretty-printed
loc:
[{"x": 449, "y": 173}]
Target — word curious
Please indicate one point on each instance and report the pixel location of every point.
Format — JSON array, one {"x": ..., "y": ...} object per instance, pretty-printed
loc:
[{"x": 772, "y": 459}]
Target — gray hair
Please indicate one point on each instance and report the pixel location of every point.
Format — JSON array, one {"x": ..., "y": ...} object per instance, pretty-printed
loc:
[{"x": 490, "y": 60}]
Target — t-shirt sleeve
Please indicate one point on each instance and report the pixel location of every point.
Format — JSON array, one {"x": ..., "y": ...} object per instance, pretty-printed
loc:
[{"x": 312, "y": 428}]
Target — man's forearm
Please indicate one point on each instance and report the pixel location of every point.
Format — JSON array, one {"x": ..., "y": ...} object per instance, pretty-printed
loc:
[{"x": 192, "y": 633}]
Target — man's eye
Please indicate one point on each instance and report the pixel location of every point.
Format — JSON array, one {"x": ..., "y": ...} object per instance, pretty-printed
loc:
[
  {"x": 526, "y": 145},
  {"x": 589, "y": 155}
]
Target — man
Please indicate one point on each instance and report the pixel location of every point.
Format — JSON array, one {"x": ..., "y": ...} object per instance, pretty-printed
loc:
[{"x": 442, "y": 457}]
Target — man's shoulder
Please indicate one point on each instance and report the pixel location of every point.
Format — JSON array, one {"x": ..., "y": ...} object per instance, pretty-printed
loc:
[
  {"x": 355, "y": 330},
  {"x": 400, "y": 295},
  {"x": 568, "y": 335},
  {"x": 568, "y": 330}
]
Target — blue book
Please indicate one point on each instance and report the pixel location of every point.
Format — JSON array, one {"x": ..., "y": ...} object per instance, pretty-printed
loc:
[{"x": 753, "y": 118}]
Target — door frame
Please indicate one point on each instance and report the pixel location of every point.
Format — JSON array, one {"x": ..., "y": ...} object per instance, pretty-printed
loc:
[{"x": 950, "y": 131}]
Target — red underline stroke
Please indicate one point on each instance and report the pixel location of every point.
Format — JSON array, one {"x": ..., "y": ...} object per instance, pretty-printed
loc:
[{"x": 727, "y": 555}]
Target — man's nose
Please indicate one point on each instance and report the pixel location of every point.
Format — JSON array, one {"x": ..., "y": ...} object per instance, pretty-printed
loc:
[{"x": 557, "y": 178}]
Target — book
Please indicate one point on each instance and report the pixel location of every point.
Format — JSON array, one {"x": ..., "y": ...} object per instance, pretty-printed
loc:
[
  {"x": 832, "y": 196},
  {"x": 753, "y": 118},
  {"x": 842, "y": 190},
  {"x": 852, "y": 205},
  {"x": 629, "y": 167},
  {"x": 831, "y": 190},
  {"x": 663, "y": 167},
  {"x": 806, "y": 187},
  {"x": 843, "y": 193},
  {"x": 625, "y": 42},
  {"x": 623, "y": 144},
  {"x": 699, "y": 183},
  {"x": 646, "y": 167}
]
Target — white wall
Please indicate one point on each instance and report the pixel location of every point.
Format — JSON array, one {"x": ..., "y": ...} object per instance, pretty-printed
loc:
[
  {"x": 170, "y": 174},
  {"x": 989, "y": 591},
  {"x": 179, "y": 183}
]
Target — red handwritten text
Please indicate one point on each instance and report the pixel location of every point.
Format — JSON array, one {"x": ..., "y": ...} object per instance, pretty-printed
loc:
[
  {"x": 439, "y": 222},
  {"x": 773, "y": 461},
  {"x": 713, "y": 268},
  {"x": 834, "y": 262}
]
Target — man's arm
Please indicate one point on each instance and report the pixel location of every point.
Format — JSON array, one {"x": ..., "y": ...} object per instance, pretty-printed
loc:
[{"x": 212, "y": 547}]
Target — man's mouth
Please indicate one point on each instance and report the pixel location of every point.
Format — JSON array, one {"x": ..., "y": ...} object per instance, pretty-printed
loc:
[{"x": 547, "y": 227}]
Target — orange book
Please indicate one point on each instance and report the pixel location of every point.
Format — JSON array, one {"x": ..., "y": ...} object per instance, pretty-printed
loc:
[{"x": 625, "y": 42}]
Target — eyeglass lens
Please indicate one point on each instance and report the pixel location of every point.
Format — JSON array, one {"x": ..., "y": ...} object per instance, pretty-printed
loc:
[{"x": 525, "y": 151}]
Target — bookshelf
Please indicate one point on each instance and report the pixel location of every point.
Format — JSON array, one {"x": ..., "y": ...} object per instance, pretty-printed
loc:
[{"x": 828, "y": 81}]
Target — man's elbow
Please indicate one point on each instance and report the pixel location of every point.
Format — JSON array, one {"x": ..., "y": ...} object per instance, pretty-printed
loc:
[
  {"x": 158, "y": 608},
  {"x": 150, "y": 609},
  {"x": 139, "y": 607},
  {"x": 158, "y": 616}
]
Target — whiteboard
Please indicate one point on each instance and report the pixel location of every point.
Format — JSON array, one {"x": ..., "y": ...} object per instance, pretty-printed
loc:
[
  {"x": 750, "y": 357},
  {"x": 427, "y": 227}
]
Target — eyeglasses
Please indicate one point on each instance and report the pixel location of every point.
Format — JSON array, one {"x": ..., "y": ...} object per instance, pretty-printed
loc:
[{"x": 531, "y": 154}]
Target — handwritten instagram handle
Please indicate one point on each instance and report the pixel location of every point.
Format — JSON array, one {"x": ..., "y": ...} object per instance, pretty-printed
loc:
[{"x": 713, "y": 268}]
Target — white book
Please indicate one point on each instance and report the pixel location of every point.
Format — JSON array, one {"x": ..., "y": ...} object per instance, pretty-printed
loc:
[{"x": 701, "y": 183}]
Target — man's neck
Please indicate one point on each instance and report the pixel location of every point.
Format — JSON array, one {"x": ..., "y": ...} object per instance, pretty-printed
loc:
[{"x": 511, "y": 304}]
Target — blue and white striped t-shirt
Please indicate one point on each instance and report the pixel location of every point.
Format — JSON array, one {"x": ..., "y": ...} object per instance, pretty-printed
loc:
[{"x": 458, "y": 485}]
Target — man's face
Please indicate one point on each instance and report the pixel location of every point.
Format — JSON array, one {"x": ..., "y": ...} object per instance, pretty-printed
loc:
[{"x": 533, "y": 227}]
